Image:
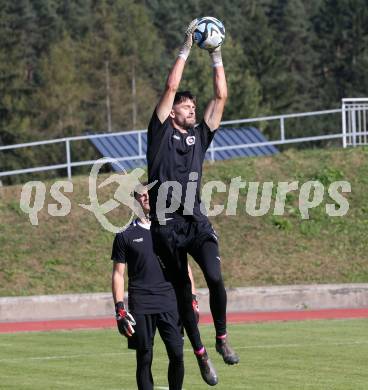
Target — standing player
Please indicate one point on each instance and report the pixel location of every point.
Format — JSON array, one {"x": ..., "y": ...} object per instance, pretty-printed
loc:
[
  {"x": 152, "y": 301},
  {"x": 175, "y": 154}
]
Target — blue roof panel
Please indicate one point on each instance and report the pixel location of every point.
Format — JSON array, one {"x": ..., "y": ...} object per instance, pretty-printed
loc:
[{"x": 127, "y": 145}]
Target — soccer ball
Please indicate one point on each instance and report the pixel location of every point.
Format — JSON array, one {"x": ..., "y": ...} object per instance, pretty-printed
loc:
[{"x": 210, "y": 33}]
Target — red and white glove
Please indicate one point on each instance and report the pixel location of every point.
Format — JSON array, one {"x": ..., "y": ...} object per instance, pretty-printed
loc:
[
  {"x": 124, "y": 320},
  {"x": 195, "y": 307}
]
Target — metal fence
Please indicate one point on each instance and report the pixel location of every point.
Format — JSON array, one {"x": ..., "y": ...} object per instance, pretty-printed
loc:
[
  {"x": 354, "y": 132},
  {"x": 354, "y": 121}
]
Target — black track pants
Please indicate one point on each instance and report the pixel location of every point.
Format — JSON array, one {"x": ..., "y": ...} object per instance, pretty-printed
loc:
[
  {"x": 208, "y": 258},
  {"x": 175, "y": 374},
  {"x": 172, "y": 243}
]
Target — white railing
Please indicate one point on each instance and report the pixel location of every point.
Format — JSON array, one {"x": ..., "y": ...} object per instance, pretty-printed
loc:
[
  {"x": 283, "y": 140},
  {"x": 354, "y": 121},
  {"x": 69, "y": 164}
]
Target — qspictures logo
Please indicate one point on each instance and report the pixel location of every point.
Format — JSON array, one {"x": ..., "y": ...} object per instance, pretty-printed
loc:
[
  {"x": 260, "y": 199},
  {"x": 33, "y": 196}
]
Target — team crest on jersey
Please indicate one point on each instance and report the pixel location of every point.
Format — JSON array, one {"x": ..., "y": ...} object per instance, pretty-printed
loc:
[{"x": 190, "y": 140}]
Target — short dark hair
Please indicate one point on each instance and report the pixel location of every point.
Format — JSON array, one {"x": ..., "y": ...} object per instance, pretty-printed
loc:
[
  {"x": 138, "y": 188},
  {"x": 181, "y": 96}
]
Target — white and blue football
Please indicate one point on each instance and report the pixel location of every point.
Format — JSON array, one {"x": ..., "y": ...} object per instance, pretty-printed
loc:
[{"x": 210, "y": 33}]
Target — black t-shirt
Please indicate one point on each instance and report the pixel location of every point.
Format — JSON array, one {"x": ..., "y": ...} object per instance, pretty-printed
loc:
[
  {"x": 172, "y": 156},
  {"x": 148, "y": 290}
]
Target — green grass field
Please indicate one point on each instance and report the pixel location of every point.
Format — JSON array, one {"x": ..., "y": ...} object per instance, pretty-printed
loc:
[{"x": 313, "y": 355}]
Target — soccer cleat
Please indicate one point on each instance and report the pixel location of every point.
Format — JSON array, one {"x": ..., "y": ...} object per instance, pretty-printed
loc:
[
  {"x": 208, "y": 371},
  {"x": 227, "y": 353}
]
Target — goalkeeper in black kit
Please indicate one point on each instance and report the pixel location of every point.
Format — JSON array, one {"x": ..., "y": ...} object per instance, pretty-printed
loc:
[
  {"x": 152, "y": 302},
  {"x": 175, "y": 154}
]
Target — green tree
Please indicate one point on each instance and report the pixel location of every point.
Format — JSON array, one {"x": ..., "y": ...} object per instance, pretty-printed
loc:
[
  {"x": 62, "y": 91},
  {"x": 17, "y": 59},
  {"x": 99, "y": 60},
  {"x": 341, "y": 29},
  {"x": 171, "y": 17},
  {"x": 122, "y": 57},
  {"x": 75, "y": 16},
  {"x": 292, "y": 35},
  {"x": 26, "y": 31},
  {"x": 262, "y": 56},
  {"x": 144, "y": 59}
]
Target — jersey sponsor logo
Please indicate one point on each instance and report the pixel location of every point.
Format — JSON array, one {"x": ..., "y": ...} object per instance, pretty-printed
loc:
[
  {"x": 138, "y": 239},
  {"x": 190, "y": 140},
  {"x": 176, "y": 137}
]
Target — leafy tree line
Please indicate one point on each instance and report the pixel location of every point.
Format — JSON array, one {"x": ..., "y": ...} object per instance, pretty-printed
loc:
[{"x": 67, "y": 66}]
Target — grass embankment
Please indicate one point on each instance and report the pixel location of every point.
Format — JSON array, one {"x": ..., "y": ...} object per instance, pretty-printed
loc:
[{"x": 71, "y": 254}]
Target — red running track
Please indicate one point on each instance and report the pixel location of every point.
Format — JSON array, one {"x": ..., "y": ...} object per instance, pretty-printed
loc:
[{"x": 97, "y": 323}]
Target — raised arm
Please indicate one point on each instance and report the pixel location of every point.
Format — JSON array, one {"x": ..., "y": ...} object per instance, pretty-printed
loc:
[
  {"x": 172, "y": 84},
  {"x": 173, "y": 80},
  {"x": 215, "y": 108}
]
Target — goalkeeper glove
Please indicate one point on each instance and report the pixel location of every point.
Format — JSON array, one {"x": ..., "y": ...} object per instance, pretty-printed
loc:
[
  {"x": 216, "y": 57},
  {"x": 195, "y": 307},
  {"x": 124, "y": 320},
  {"x": 188, "y": 40}
]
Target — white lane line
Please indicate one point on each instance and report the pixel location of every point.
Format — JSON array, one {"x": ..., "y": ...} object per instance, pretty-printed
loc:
[{"x": 107, "y": 354}]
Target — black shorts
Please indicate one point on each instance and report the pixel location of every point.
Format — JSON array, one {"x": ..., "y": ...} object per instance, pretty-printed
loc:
[
  {"x": 168, "y": 325},
  {"x": 182, "y": 234},
  {"x": 173, "y": 241}
]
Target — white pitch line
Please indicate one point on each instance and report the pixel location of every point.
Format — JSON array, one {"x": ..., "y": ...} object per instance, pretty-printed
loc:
[
  {"x": 163, "y": 388},
  {"x": 302, "y": 345},
  {"x": 56, "y": 357},
  {"x": 107, "y": 354}
]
